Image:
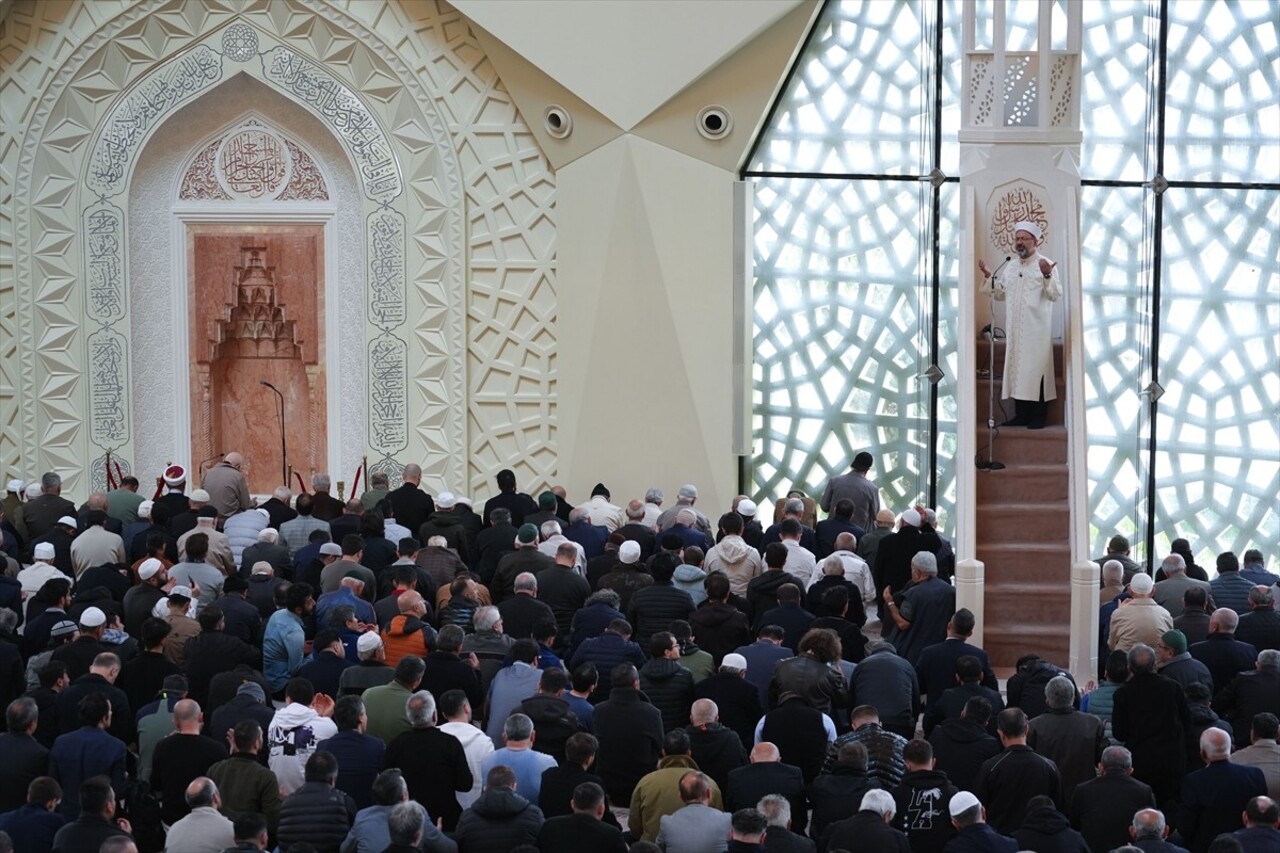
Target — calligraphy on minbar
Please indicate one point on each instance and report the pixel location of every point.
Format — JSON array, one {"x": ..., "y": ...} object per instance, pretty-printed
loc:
[
  {"x": 108, "y": 407},
  {"x": 386, "y": 269},
  {"x": 388, "y": 394}
]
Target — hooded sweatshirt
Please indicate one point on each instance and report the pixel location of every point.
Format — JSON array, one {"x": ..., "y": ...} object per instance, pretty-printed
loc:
[
  {"x": 690, "y": 578},
  {"x": 735, "y": 558},
  {"x": 292, "y": 737}
]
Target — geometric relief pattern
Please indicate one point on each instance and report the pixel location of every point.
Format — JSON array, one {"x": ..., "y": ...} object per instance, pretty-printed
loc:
[
  {"x": 510, "y": 193},
  {"x": 509, "y": 187},
  {"x": 843, "y": 272}
]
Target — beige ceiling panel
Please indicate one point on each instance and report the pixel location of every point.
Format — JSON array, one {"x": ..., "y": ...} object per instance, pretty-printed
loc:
[
  {"x": 625, "y": 57},
  {"x": 534, "y": 92},
  {"x": 744, "y": 84}
]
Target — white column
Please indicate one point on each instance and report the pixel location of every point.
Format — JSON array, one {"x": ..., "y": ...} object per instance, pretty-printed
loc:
[
  {"x": 970, "y": 582},
  {"x": 1083, "y": 653}
]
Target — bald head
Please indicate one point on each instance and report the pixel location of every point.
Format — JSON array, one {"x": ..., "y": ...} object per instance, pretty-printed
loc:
[
  {"x": 846, "y": 542},
  {"x": 765, "y": 753},
  {"x": 234, "y": 459},
  {"x": 409, "y": 601},
  {"x": 1148, "y": 823},
  {"x": 1224, "y": 621},
  {"x": 412, "y": 473},
  {"x": 1112, "y": 572},
  {"x": 704, "y": 712}
]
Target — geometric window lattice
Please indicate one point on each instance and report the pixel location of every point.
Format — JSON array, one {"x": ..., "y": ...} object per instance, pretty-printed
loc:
[
  {"x": 1217, "y": 460},
  {"x": 842, "y": 305}
]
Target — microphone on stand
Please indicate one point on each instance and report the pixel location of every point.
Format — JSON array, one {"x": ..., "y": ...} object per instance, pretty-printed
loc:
[
  {"x": 991, "y": 336},
  {"x": 996, "y": 271},
  {"x": 284, "y": 454}
]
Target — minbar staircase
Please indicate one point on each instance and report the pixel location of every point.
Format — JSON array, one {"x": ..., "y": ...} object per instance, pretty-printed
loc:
[{"x": 1022, "y": 529}]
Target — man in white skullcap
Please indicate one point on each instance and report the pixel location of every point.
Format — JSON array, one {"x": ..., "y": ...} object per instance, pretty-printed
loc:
[{"x": 1028, "y": 285}]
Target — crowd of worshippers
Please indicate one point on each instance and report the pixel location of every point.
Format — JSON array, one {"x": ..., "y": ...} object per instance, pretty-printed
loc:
[{"x": 194, "y": 673}]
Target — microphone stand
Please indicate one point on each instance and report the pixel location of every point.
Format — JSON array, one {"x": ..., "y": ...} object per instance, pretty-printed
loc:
[
  {"x": 990, "y": 464},
  {"x": 284, "y": 456}
]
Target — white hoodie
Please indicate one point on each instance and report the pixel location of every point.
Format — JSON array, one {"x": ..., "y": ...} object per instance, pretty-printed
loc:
[{"x": 294, "y": 732}]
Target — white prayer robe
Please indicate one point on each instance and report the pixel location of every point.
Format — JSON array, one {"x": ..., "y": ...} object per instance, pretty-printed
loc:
[{"x": 1028, "y": 352}]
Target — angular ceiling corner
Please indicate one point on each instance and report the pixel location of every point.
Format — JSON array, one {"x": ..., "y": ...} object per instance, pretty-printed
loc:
[
  {"x": 533, "y": 90},
  {"x": 745, "y": 84},
  {"x": 625, "y": 57}
]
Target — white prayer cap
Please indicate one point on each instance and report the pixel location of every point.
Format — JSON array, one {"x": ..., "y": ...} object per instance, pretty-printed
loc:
[
  {"x": 961, "y": 803},
  {"x": 1030, "y": 227},
  {"x": 144, "y": 509},
  {"x": 43, "y": 551},
  {"x": 67, "y": 521},
  {"x": 149, "y": 568},
  {"x": 747, "y": 508},
  {"x": 92, "y": 617},
  {"x": 629, "y": 552},
  {"x": 1142, "y": 584},
  {"x": 911, "y": 518},
  {"x": 446, "y": 500},
  {"x": 16, "y": 486},
  {"x": 34, "y": 490}
]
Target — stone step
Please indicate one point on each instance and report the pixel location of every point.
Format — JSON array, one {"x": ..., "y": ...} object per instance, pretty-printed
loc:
[
  {"x": 1009, "y": 640},
  {"x": 1025, "y": 562},
  {"x": 1017, "y": 446}
]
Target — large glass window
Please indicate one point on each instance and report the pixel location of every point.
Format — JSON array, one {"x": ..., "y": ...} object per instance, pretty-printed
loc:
[{"x": 856, "y": 261}]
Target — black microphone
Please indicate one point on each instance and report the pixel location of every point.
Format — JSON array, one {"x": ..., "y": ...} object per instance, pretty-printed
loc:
[
  {"x": 277, "y": 390},
  {"x": 994, "y": 273}
]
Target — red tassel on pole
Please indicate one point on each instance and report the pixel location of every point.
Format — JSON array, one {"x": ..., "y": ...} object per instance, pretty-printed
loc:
[
  {"x": 355, "y": 483},
  {"x": 302, "y": 484},
  {"x": 111, "y": 480}
]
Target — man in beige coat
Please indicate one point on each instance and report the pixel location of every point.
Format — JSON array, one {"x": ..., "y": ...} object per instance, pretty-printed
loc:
[{"x": 1140, "y": 619}]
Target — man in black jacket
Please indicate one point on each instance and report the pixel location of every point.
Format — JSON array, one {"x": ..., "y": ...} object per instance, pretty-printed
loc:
[
  {"x": 1008, "y": 781},
  {"x": 25, "y": 758},
  {"x": 630, "y": 732},
  {"x": 962, "y": 746},
  {"x": 655, "y": 607},
  {"x": 719, "y": 626},
  {"x": 1150, "y": 716},
  {"x": 737, "y": 699},
  {"x": 97, "y": 821},
  {"x": 1102, "y": 808},
  {"x": 317, "y": 813},
  {"x": 922, "y": 797},
  {"x": 501, "y": 819},
  {"x": 837, "y": 794},
  {"x": 667, "y": 683},
  {"x": 717, "y": 749},
  {"x": 411, "y": 504},
  {"x": 212, "y": 651},
  {"x": 494, "y": 542},
  {"x": 766, "y": 774}
]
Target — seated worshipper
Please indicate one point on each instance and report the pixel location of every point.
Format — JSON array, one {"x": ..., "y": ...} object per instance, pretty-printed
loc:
[
  {"x": 716, "y": 749},
  {"x": 968, "y": 684},
  {"x": 316, "y": 813},
  {"x": 1009, "y": 780},
  {"x": 518, "y": 753},
  {"x": 884, "y": 748},
  {"x": 921, "y": 799},
  {"x": 204, "y": 829},
  {"x": 1102, "y": 808},
  {"x": 582, "y": 829},
  {"x": 767, "y": 774},
  {"x": 658, "y": 793},
  {"x": 836, "y": 794},
  {"x": 359, "y": 755},
  {"x": 927, "y": 605},
  {"x": 630, "y": 733},
  {"x": 296, "y": 730},
  {"x": 434, "y": 764},
  {"x": 501, "y": 819},
  {"x": 696, "y": 824},
  {"x": 1072, "y": 740},
  {"x": 871, "y": 828}
]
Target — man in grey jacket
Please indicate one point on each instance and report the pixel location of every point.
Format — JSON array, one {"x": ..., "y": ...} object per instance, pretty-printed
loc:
[{"x": 696, "y": 827}]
